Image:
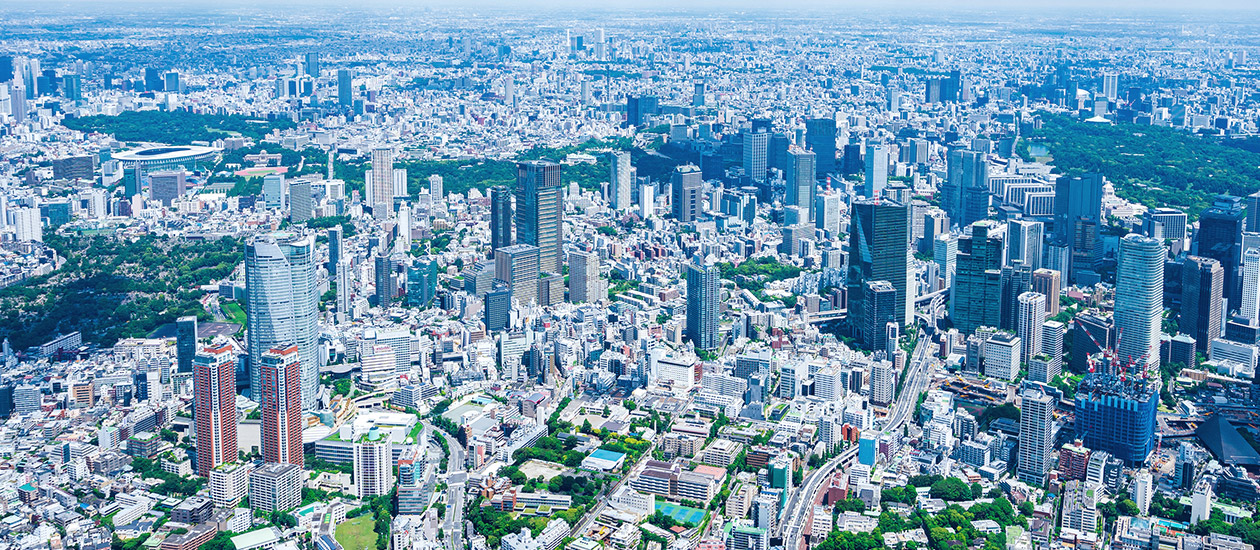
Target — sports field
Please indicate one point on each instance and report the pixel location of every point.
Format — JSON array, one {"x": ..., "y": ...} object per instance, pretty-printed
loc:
[{"x": 681, "y": 513}]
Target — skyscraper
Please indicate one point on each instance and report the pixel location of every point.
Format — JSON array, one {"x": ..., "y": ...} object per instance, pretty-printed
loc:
[
  {"x": 976, "y": 297},
  {"x": 685, "y": 202},
  {"x": 1024, "y": 242},
  {"x": 584, "y": 282},
  {"x": 702, "y": 305},
  {"x": 879, "y": 243},
  {"x": 1046, "y": 282},
  {"x": 500, "y": 217},
  {"x": 422, "y": 278},
  {"x": 802, "y": 182},
  {"x": 1139, "y": 300},
  {"x": 345, "y": 90},
  {"x": 1036, "y": 416},
  {"x": 312, "y": 64},
  {"x": 386, "y": 285},
  {"x": 214, "y": 407},
  {"x": 965, "y": 195},
  {"x": 1032, "y": 315},
  {"x": 517, "y": 265},
  {"x": 756, "y": 154},
  {"x": 876, "y": 170},
  {"x": 1077, "y": 221},
  {"x": 1118, "y": 415},
  {"x": 185, "y": 342},
  {"x": 281, "y": 405},
  {"x": 301, "y": 201},
  {"x": 282, "y": 299},
  {"x": 540, "y": 213},
  {"x": 373, "y": 464},
  {"x": 820, "y": 137},
  {"x": 1219, "y": 238},
  {"x": 381, "y": 192},
  {"x": 1202, "y": 284},
  {"x": 879, "y": 308},
  {"x": 619, "y": 180},
  {"x": 335, "y": 244}
]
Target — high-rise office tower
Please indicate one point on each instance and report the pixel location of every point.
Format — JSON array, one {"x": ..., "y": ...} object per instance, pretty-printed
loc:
[
  {"x": 214, "y": 407},
  {"x": 878, "y": 245},
  {"x": 422, "y": 279},
  {"x": 275, "y": 190},
  {"x": 703, "y": 296},
  {"x": 301, "y": 201},
  {"x": 1249, "y": 300},
  {"x": 312, "y": 64},
  {"x": 1077, "y": 221},
  {"x": 965, "y": 194},
  {"x": 153, "y": 79},
  {"x": 1036, "y": 416},
  {"x": 802, "y": 182},
  {"x": 820, "y": 137},
  {"x": 1052, "y": 333},
  {"x": 876, "y": 171},
  {"x": 345, "y": 89},
  {"x": 879, "y": 308},
  {"x": 281, "y": 405},
  {"x": 1202, "y": 284},
  {"x": 402, "y": 241},
  {"x": 282, "y": 299},
  {"x": 1139, "y": 299},
  {"x": 685, "y": 202},
  {"x": 185, "y": 342},
  {"x": 344, "y": 289},
  {"x": 976, "y": 297},
  {"x": 518, "y": 266},
  {"x": 1219, "y": 238},
  {"x": 945, "y": 256},
  {"x": 540, "y": 213},
  {"x": 373, "y": 464},
  {"x": 1111, "y": 85},
  {"x": 498, "y": 308},
  {"x": 386, "y": 284},
  {"x": 1116, "y": 415},
  {"x": 619, "y": 180},
  {"x": 167, "y": 186},
  {"x": 381, "y": 191},
  {"x": 827, "y": 210},
  {"x": 639, "y": 108},
  {"x": 1024, "y": 242},
  {"x": 756, "y": 154},
  {"x": 584, "y": 282},
  {"x": 335, "y": 244},
  {"x": 1032, "y": 315},
  {"x": 1016, "y": 279},
  {"x": 1046, "y": 282},
  {"x": 500, "y": 217}
]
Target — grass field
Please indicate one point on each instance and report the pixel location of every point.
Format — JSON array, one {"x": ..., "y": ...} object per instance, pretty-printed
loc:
[
  {"x": 233, "y": 312},
  {"x": 357, "y": 534},
  {"x": 684, "y": 514}
]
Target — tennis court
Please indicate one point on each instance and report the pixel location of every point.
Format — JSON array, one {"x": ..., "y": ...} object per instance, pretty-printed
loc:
[{"x": 684, "y": 514}]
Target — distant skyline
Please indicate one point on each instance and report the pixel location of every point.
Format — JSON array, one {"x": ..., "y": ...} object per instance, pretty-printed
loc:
[{"x": 1055, "y": 7}]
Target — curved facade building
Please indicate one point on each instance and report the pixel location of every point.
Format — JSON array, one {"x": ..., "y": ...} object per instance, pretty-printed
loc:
[
  {"x": 282, "y": 298},
  {"x": 1139, "y": 301}
]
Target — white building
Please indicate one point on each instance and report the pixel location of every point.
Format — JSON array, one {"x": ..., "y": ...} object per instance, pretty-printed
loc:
[{"x": 1002, "y": 356}]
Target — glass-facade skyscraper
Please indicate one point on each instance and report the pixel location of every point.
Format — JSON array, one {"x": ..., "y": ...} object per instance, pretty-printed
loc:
[
  {"x": 540, "y": 211},
  {"x": 1117, "y": 415},
  {"x": 879, "y": 240},
  {"x": 282, "y": 299}
]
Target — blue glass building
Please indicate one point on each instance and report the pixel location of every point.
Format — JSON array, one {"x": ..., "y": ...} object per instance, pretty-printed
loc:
[{"x": 1117, "y": 416}]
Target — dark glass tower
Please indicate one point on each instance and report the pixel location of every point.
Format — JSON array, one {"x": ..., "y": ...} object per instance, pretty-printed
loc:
[
  {"x": 500, "y": 217},
  {"x": 878, "y": 250},
  {"x": 1220, "y": 238},
  {"x": 540, "y": 211}
]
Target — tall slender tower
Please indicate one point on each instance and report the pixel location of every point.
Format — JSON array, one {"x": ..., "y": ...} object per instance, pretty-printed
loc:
[
  {"x": 540, "y": 211},
  {"x": 1139, "y": 300},
  {"x": 281, "y": 406},
  {"x": 500, "y": 217},
  {"x": 879, "y": 240},
  {"x": 214, "y": 406},
  {"x": 1202, "y": 286},
  {"x": 1035, "y": 441},
  {"x": 685, "y": 186},
  {"x": 381, "y": 197},
  {"x": 282, "y": 298},
  {"x": 619, "y": 180},
  {"x": 702, "y": 305},
  {"x": 802, "y": 185},
  {"x": 1029, "y": 321}
]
